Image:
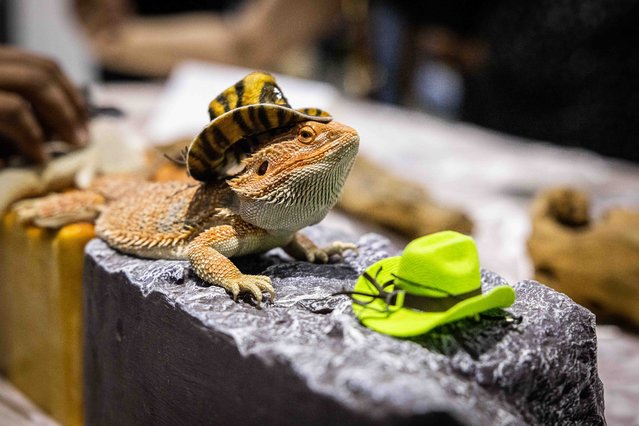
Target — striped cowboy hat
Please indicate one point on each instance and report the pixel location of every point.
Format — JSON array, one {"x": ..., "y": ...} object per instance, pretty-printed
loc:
[
  {"x": 435, "y": 281},
  {"x": 252, "y": 106}
]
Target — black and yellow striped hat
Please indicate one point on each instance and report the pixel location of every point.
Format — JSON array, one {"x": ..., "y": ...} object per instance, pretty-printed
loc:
[{"x": 253, "y": 105}]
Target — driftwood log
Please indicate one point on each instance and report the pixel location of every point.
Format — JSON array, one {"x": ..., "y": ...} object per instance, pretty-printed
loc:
[
  {"x": 595, "y": 262},
  {"x": 374, "y": 195}
]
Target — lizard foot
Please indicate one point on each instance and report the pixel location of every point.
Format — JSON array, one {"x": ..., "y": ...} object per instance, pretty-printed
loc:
[
  {"x": 323, "y": 255},
  {"x": 253, "y": 284},
  {"x": 57, "y": 210},
  {"x": 26, "y": 211}
]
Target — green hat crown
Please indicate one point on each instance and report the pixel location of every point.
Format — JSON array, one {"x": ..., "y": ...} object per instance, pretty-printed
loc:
[{"x": 439, "y": 265}]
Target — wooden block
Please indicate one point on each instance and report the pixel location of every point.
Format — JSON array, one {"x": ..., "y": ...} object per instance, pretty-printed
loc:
[{"x": 41, "y": 314}]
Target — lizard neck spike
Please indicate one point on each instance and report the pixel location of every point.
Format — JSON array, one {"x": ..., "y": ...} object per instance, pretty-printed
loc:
[{"x": 251, "y": 106}]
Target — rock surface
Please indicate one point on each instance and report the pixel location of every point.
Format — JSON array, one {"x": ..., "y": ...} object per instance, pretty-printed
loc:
[{"x": 162, "y": 348}]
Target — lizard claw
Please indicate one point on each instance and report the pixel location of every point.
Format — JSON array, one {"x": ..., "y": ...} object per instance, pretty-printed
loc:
[
  {"x": 26, "y": 210},
  {"x": 339, "y": 248},
  {"x": 302, "y": 248},
  {"x": 253, "y": 284},
  {"x": 316, "y": 255},
  {"x": 323, "y": 255}
]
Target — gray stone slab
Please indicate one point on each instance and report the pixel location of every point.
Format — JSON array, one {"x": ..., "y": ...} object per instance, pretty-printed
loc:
[{"x": 161, "y": 348}]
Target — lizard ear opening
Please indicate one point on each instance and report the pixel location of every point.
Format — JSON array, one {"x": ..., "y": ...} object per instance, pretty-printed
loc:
[
  {"x": 261, "y": 171},
  {"x": 227, "y": 198}
]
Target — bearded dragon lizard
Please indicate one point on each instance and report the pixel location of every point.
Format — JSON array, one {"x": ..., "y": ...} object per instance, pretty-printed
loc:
[{"x": 289, "y": 181}]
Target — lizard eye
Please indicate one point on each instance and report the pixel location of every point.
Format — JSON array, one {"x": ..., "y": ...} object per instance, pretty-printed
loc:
[
  {"x": 306, "y": 135},
  {"x": 263, "y": 168}
]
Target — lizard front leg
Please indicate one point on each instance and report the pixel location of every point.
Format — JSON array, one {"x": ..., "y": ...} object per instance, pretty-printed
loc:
[
  {"x": 208, "y": 256},
  {"x": 302, "y": 248}
]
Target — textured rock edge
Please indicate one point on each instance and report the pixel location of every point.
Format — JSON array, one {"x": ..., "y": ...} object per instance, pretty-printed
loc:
[{"x": 433, "y": 359}]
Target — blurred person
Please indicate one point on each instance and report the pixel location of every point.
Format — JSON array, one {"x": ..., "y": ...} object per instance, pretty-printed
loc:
[
  {"x": 38, "y": 103},
  {"x": 147, "y": 38},
  {"x": 558, "y": 71}
]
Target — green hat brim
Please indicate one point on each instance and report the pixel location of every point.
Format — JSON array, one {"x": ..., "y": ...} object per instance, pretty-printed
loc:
[
  {"x": 405, "y": 322},
  {"x": 207, "y": 153}
]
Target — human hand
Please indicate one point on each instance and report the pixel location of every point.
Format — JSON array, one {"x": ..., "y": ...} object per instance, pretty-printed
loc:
[
  {"x": 102, "y": 16},
  {"x": 37, "y": 103}
]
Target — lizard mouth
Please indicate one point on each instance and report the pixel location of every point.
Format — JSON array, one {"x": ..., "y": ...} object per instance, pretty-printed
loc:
[
  {"x": 322, "y": 174},
  {"x": 325, "y": 163},
  {"x": 330, "y": 158},
  {"x": 301, "y": 192},
  {"x": 343, "y": 146}
]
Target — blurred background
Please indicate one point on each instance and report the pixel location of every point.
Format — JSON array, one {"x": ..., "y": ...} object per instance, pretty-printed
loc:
[
  {"x": 478, "y": 106},
  {"x": 560, "y": 71}
]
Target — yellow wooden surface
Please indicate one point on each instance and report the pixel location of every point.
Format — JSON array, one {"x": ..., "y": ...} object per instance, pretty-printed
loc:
[{"x": 41, "y": 314}]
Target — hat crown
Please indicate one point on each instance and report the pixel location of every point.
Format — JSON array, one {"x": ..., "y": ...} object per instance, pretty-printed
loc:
[
  {"x": 255, "y": 88},
  {"x": 446, "y": 261}
]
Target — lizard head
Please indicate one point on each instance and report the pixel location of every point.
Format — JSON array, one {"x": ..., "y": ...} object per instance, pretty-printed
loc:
[{"x": 296, "y": 177}]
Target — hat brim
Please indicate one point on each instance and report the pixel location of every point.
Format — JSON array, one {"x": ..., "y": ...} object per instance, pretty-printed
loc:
[
  {"x": 207, "y": 153},
  {"x": 405, "y": 322}
]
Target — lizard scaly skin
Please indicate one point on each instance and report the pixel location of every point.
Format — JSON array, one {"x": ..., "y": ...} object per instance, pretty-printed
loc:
[{"x": 288, "y": 184}]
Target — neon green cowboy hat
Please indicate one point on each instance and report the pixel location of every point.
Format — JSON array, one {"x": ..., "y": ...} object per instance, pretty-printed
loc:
[{"x": 435, "y": 281}]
